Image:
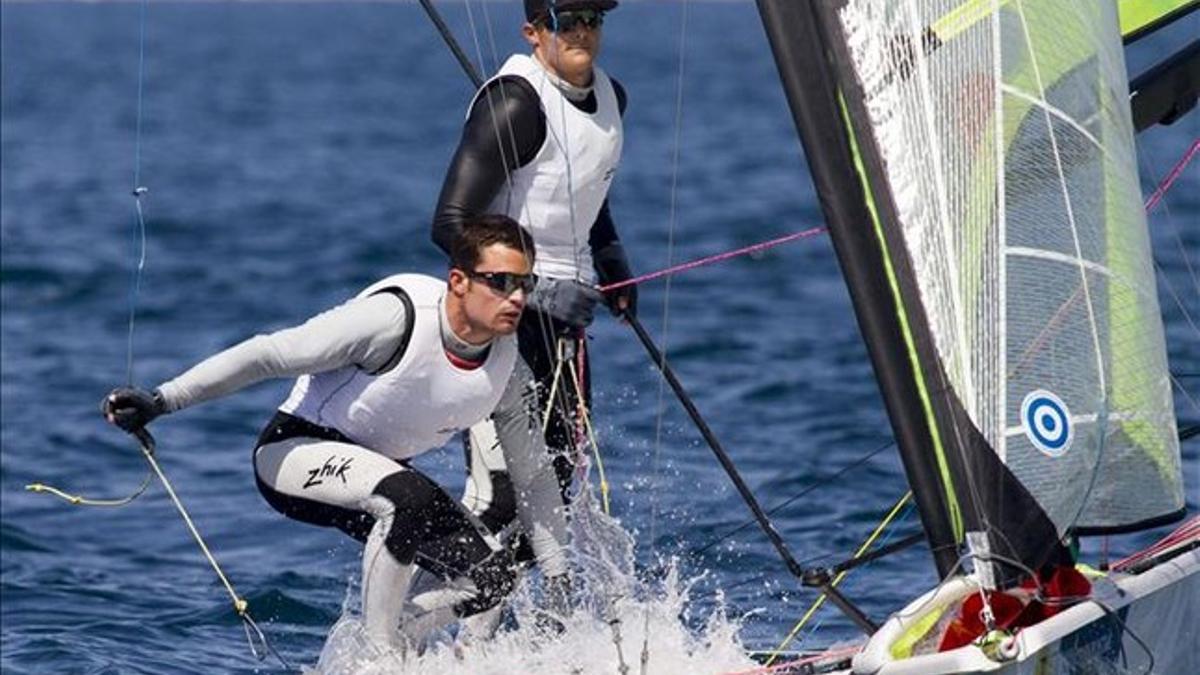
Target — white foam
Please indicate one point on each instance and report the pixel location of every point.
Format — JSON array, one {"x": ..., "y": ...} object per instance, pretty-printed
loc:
[{"x": 619, "y": 619}]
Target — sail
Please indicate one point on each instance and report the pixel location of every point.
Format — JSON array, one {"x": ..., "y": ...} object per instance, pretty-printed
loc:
[{"x": 994, "y": 148}]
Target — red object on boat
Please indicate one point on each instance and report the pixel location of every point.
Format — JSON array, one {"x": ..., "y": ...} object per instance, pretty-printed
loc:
[{"x": 1012, "y": 610}]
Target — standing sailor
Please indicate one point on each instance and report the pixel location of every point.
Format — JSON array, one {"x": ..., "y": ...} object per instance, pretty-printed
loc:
[
  {"x": 382, "y": 378},
  {"x": 541, "y": 143}
]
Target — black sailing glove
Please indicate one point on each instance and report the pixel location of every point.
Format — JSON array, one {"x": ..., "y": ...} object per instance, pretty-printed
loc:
[
  {"x": 567, "y": 300},
  {"x": 612, "y": 266},
  {"x": 131, "y": 408}
]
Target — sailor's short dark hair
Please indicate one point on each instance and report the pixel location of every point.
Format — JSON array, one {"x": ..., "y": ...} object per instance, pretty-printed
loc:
[{"x": 479, "y": 232}]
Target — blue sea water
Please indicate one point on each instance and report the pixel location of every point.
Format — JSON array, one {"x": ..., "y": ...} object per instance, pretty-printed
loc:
[{"x": 293, "y": 153}]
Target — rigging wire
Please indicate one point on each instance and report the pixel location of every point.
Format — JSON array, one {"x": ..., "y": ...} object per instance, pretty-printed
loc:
[
  {"x": 444, "y": 31},
  {"x": 552, "y": 344},
  {"x": 866, "y": 545},
  {"x": 584, "y": 430},
  {"x": 1185, "y": 393},
  {"x": 823, "y": 482},
  {"x": 139, "y": 191},
  {"x": 1187, "y": 316},
  {"x": 671, "y": 270},
  {"x": 1156, "y": 198},
  {"x": 672, "y": 214},
  {"x": 240, "y": 605},
  {"x": 478, "y": 81},
  {"x": 546, "y": 324},
  {"x": 260, "y": 646}
]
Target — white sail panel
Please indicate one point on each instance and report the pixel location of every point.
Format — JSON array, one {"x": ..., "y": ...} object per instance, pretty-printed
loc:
[{"x": 1005, "y": 136}]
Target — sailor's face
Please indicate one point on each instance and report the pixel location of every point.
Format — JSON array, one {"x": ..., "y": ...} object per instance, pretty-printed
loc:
[
  {"x": 570, "y": 53},
  {"x": 494, "y": 297}
]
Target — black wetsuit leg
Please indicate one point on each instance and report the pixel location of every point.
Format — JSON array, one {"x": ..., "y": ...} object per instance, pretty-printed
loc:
[{"x": 316, "y": 475}]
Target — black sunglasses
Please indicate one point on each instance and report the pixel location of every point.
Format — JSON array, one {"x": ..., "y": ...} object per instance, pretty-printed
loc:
[
  {"x": 566, "y": 21},
  {"x": 506, "y": 283}
]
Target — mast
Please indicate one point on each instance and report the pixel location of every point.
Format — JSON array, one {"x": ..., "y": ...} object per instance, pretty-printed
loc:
[{"x": 800, "y": 54}]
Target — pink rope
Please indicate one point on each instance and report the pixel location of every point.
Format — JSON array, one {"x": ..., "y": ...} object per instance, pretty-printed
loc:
[
  {"x": 798, "y": 664},
  {"x": 1153, "y": 201},
  {"x": 1157, "y": 196},
  {"x": 714, "y": 258},
  {"x": 1185, "y": 532}
]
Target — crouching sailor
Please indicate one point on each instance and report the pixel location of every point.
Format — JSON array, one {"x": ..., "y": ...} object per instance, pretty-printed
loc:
[{"x": 388, "y": 375}]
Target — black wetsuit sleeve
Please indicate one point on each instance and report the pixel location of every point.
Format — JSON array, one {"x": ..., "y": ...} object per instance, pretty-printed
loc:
[
  {"x": 504, "y": 131},
  {"x": 604, "y": 231},
  {"x": 620, "y": 92}
]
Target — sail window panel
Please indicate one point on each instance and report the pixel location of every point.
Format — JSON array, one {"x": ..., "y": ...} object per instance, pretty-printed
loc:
[
  {"x": 1051, "y": 332},
  {"x": 1123, "y": 446},
  {"x": 1054, "y": 197},
  {"x": 1003, "y": 133},
  {"x": 1051, "y": 349},
  {"x": 1138, "y": 476}
]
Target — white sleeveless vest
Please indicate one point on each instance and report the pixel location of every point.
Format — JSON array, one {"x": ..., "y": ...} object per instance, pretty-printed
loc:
[
  {"x": 559, "y": 194},
  {"x": 419, "y": 403}
]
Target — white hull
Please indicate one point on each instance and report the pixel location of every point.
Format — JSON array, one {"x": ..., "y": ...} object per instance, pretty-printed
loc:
[{"x": 1160, "y": 607}]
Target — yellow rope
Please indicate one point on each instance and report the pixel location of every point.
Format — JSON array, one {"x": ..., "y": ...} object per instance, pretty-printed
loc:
[
  {"x": 591, "y": 431},
  {"x": 558, "y": 364},
  {"x": 587, "y": 418},
  {"x": 821, "y": 598},
  {"x": 85, "y": 501},
  {"x": 240, "y": 605}
]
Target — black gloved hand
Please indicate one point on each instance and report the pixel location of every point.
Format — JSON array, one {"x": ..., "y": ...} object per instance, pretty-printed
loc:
[
  {"x": 567, "y": 300},
  {"x": 131, "y": 408},
  {"x": 612, "y": 266}
]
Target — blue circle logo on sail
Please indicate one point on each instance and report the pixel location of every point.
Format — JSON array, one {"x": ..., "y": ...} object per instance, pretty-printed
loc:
[{"x": 1047, "y": 422}]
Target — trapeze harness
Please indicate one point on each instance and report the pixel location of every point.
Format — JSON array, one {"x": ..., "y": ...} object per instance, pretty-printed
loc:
[
  {"x": 335, "y": 454},
  {"x": 547, "y": 131}
]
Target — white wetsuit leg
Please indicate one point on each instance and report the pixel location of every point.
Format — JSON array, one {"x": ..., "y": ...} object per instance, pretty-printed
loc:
[{"x": 404, "y": 520}]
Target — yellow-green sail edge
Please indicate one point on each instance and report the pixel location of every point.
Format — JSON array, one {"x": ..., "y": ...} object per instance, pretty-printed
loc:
[
  {"x": 954, "y": 511},
  {"x": 1139, "y": 18}
]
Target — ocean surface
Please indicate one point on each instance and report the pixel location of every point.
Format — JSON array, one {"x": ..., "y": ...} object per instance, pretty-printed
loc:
[{"x": 292, "y": 154}]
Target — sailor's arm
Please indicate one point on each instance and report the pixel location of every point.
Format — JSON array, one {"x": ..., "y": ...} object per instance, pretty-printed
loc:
[
  {"x": 611, "y": 263},
  {"x": 364, "y": 332},
  {"x": 504, "y": 131}
]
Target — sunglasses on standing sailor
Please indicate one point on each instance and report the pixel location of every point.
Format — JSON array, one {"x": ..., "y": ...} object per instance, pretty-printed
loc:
[
  {"x": 567, "y": 20},
  {"x": 506, "y": 283}
]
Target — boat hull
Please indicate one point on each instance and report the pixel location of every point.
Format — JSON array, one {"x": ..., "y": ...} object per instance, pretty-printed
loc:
[{"x": 1149, "y": 622}]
